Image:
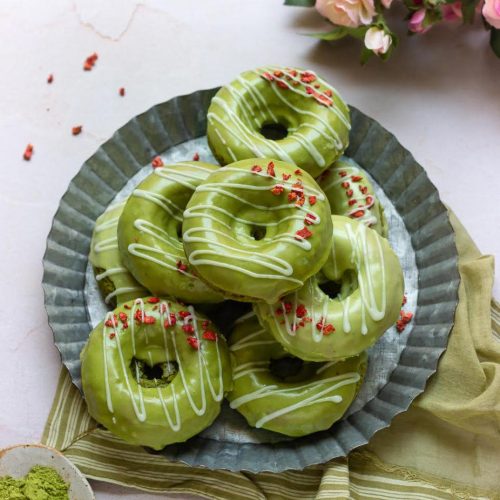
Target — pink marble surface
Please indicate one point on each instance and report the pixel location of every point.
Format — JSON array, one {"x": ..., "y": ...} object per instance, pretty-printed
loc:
[{"x": 440, "y": 95}]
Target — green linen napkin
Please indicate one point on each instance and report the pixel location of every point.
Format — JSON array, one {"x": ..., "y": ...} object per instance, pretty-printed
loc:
[{"x": 446, "y": 446}]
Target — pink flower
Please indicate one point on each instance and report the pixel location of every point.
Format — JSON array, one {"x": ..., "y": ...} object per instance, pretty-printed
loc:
[
  {"x": 416, "y": 22},
  {"x": 377, "y": 40},
  {"x": 452, "y": 11},
  {"x": 491, "y": 12},
  {"x": 351, "y": 13}
]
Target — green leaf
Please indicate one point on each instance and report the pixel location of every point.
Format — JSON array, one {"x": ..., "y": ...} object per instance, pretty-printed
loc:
[
  {"x": 300, "y": 3},
  {"x": 365, "y": 55},
  {"x": 340, "y": 32},
  {"x": 495, "y": 41},
  {"x": 335, "y": 34},
  {"x": 468, "y": 10}
]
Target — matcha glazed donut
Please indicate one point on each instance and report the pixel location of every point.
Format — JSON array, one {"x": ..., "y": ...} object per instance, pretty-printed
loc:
[
  {"x": 149, "y": 232},
  {"x": 350, "y": 193},
  {"x": 312, "y": 326},
  {"x": 255, "y": 229},
  {"x": 116, "y": 284},
  {"x": 155, "y": 372},
  {"x": 283, "y": 394},
  {"x": 283, "y": 113}
]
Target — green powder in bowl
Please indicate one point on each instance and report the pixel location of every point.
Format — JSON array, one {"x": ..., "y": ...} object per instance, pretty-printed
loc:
[{"x": 41, "y": 483}]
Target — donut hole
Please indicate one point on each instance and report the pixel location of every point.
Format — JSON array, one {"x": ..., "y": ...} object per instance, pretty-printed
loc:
[
  {"x": 179, "y": 231},
  {"x": 258, "y": 232},
  {"x": 158, "y": 375},
  {"x": 341, "y": 289},
  {"x": 274, "y": 131},
  {"x": 292, "y": 369}
]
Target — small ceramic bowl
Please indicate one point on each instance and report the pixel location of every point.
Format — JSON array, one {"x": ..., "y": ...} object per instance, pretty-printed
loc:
[{"x": 17, "y": 461}]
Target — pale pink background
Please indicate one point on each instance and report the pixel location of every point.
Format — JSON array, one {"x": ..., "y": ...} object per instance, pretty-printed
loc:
[{"x": 440, "y": 95}]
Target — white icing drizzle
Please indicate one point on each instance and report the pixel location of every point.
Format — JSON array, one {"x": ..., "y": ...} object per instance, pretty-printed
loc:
[
  {"x": 111, "y": 245},
  {"x": 171, "y": 208},
  {"x": 331, "y": 384},
  {"x": 204, "y": 378},
  {"x": 234, "y": 248},
  {"x": 227, "y": 118},
  {"x": 367, "y": 200},
  {"x": 372, "y": 303}
]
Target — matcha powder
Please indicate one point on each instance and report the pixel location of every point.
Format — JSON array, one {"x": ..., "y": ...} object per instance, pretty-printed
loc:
[{"x": 41, "y": 483}]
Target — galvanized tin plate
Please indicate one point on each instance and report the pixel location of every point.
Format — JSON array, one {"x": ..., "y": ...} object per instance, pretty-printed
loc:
[{"x": 399, "y": 365}]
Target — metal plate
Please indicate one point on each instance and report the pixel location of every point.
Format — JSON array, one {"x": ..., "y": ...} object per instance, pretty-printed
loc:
[{"x": 399, "y": 365}]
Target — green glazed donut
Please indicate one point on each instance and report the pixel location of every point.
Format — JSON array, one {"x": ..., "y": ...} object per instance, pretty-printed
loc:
[
  {"x": 155, "y": 372},
  {"x": 284, "y": 113},
  {"x": 350, "y": 193},
  {"x": 255, "y": 229},
  {"x": 283, "y": 394},
  {"x": 312, "y": 326},
  {"x": 116, "y": 284},
  {"x": 149, "y": 233}
]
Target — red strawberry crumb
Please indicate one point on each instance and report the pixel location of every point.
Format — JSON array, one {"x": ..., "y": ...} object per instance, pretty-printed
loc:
[
  {"x": 298, "y": 172},
  {"x": 310, "y": 90},
  {"x": 149, "y": 320},
  {"x": 301, "y": 311},
  {"x": 406, "y": 317},
  {"x": 286, "y": 176},
  {"x": 317, "y": 85},
  {"x": 312, "y": 200},
  {"x": 157, "y": 162},
  {"x": 358, "y": 213},
  {"x": 323, "y": 99},
  {"x": 356, "y": 178},
  {"x": 349, "y": 193},
  {"x": 112, "y": 335},
  {"x": 328, "y": 92},
  {"x": 363, "y": 189},
  {"x": 193, "y": 342},
  {"x": 112, "y": 322},
  {"x": 278, "y": 73},
  {"x": 288, "y": 307},
  {"x": 209, "y": 335},
  {"x": 292, "y": 196},
  {"x": 153, "y": 300},
  {"x": 170, "y": 321},
  {"x": 90, "y": 61},
  {"x": 267, "y": 76},
  {"x": 50, "y": 78},
  {"x": 181, "y": 267},
  {"x": 345, "y": 185},
  {"x": 188, "y": 328},
  {"x": 28, "y": 152},
  {"x": 293, "y": 72},
  {"x": 328, "y": 329},
  {"x": 303, "y": 234},
  {"x": 307, "y": 77},
  {"x": 121, "y": 91},
  {"x": 400, "y": 326},
  {"x": 205, "y": 324},
  {"x": 281, "y": 84},
  {"x": 310, "y": 218},
  {"x": 123, "y": 317},
  {"x": 270, "y": 169},
  {"x": 300, "y": 202},
  {"x": 342, "y": 173},
  {"x": 256, "y": 168},
  {"x": 126, "y": 306},
  {"x": 184, "y": 314},
  {"x": 277, "y": 190},
  {"x": 369, "y": 200},
  {"x": 196, "y": 157},
  {"x": 77, "y": 130},
  {"x": 351, "y": 202}
]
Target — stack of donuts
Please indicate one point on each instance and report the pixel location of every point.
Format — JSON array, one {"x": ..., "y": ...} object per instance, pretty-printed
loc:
[{"x": 262, "y": 280}]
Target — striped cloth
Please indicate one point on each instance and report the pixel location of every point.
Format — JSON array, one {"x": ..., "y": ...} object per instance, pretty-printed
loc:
[
  {"x": 451, "y": 430},
  {"x": 100, "y": 455}
]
